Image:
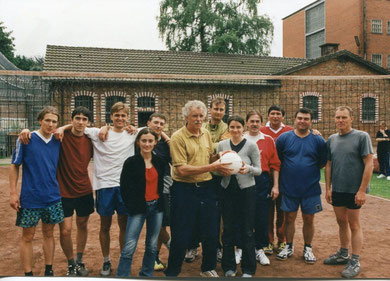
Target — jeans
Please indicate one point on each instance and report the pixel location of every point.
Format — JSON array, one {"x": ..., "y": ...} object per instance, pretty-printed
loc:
[
  {"x": 135, "y": 223},
  {"x": 192, "y": 204},
  {"x": 263, "y": 187},
  {"x": 238, "y": 214}
]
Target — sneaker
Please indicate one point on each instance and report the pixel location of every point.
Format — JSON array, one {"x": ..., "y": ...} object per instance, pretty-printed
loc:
[
  {"x": 230, "y": 273},
  {"x": 210, "y": 273},
  {"x": 261, "y": 257},
  {"x": 285, "y": 253},
  {"x": 269, "y": 250},
  {"x": 281, "y": 246},
  {"x": 49, "y": 273},
  {"x": 71, "y": 270},
  {"x": 246, "y": 275},
  {"x": 219, "y": 255},
  {"x": 238, "y": 255},
  {"x": 191, "y": 255},
  {"x": 106, "y": 269},
  {"x": 388, "y": 178},
  {"x": 351, "y": 270},
  {"x": 81, "y": 270},
  {"x": 308, "y": 255},
  {"x": 336, "y": 258},
  {"x": 158, "y": 266},
  {"x": 381, "y": 176}
]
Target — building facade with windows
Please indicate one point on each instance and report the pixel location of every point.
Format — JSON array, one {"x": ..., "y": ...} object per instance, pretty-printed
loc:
[
  {"x": 163, "y": 81},
  {"x": 359, "y": 26}
]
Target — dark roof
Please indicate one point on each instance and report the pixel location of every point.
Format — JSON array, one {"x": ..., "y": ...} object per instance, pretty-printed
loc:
[
  {"x": 83, "y": 59},
  {"x": 343, "y": 54},
  {"x": 5, "y": 64}
]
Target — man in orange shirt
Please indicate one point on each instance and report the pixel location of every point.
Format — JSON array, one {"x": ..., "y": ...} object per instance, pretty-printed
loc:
[
  {"x": 274, "y": 128},
  {"x": 267, "y": 184}
]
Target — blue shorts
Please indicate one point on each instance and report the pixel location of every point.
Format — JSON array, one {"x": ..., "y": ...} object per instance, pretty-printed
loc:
[
  {"x": 109, "y": 200},
  {"x": 309, "y": 205},
  {"x": 30, "y": 217}
]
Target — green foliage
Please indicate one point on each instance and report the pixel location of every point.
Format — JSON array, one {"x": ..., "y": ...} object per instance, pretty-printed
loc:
[
  {"x": 217, "y": 26},
  {"x": 378, "y": 187},
  {"x": 7, "y": 48}
]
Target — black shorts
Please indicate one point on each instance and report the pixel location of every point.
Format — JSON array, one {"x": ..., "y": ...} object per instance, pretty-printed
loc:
[
  {"x": 83, "y": 205},
  {"x": 167, "y": 210},
  {"x": 344, "y": 199}
]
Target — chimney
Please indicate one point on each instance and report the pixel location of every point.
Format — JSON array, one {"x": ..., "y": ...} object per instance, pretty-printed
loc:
[{"x": 329, "y": 48}]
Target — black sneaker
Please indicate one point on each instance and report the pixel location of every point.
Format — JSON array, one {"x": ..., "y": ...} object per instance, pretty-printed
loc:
[
  {"x": 81, "y": 270},
  {"x": 106, "y": 269},
  {"x": 71, "y": 270}
]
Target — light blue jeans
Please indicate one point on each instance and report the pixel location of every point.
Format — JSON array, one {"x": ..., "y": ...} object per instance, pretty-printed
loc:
[{"x": 135, "y": 223}]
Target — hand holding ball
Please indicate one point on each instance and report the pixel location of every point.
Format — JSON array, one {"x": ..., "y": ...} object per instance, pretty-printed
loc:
[{"x": 234, "y": 159}]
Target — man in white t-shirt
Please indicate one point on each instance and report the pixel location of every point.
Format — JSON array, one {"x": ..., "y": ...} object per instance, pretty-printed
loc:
[{"x": 108, "y": 159}]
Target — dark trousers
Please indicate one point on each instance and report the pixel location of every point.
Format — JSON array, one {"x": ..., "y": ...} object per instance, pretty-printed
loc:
[
  {"x": 384, "y": 162},
  {"x": 263, "y": 188},
  {"x": 280, "y": 220},
  {"x": 238, "y": 212},
  {"x": 191, "y": 204}
]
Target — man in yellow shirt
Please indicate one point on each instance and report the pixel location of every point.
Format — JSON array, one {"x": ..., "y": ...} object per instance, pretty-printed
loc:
[{"x": 193, "y": 193}]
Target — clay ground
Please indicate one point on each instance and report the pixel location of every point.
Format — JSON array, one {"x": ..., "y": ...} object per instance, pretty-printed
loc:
[{"x": 375, "y": 258}]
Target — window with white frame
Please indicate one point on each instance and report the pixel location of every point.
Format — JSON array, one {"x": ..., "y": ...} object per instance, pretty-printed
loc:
[
  {"x": 368, "y": 109},
  {"x": 388, "y": 62},
  {"x": 388, "y": 27},
  {"x": 377, "y": 59},
  {"x": 313, "y": 101},
  {"x": 376, "y": 26},
  {"x": 146, "y": 106},
  {"x": 315, "y": 30}
]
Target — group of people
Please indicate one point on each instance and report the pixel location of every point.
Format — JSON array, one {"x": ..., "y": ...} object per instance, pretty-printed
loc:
[{"x": 181, "y": 182}]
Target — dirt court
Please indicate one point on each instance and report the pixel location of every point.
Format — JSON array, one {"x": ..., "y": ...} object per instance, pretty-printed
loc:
[{"x": 375, "y": 260}]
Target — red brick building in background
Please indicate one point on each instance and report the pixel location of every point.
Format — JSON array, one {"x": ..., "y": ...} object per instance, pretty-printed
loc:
[{"x": 359, "y": 26}]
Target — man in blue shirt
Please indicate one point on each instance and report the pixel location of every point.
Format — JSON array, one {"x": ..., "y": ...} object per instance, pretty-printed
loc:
[
  {"x": 302, "y": 155},
  {"x": 40, "y": 195}
]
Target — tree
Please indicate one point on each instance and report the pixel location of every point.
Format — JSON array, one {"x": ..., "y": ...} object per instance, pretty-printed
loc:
[
  {"x": 217, "y": 26},
  {"x": 7, "y": 46}
]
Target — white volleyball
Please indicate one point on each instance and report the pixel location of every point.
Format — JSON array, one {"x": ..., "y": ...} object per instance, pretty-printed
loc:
[{"x": 234, "y": 159}]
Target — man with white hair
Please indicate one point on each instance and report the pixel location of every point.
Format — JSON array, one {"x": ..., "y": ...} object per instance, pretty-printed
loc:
[{"x": 193, "y": 194}]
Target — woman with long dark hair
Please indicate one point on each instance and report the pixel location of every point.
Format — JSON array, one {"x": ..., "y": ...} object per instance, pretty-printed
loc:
[
  {"x": 141, "y": 188},
  {"x": 239, "y": 201}
]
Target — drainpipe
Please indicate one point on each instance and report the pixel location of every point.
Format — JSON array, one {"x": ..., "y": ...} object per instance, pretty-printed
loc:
[{"x": 365, "y": 29}]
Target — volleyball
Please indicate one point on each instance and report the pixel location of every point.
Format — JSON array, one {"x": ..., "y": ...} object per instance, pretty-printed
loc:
[{"x": 234, "y": 159}]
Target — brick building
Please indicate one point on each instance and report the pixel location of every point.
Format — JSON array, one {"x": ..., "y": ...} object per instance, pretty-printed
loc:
[
  {"x": 162, "y": 81},
  {"x": 359, "y": 26}
]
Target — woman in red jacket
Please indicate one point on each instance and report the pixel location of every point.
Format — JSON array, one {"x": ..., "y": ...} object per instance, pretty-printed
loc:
[{"x": 141, "y": 186}]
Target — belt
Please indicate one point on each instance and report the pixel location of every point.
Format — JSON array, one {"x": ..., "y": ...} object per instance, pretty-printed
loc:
[
  {"x": 197, "y": 184},
  {"x": 149, "y": 203}
]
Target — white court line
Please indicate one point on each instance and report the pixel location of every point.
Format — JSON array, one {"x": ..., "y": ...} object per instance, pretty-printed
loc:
[{"x": 377, "y": 197}]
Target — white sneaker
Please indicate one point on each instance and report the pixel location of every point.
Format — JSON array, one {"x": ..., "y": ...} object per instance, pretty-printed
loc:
[
  {"x": 246, "y": 275},
  {"x": 308, "y": 255},
  {"x": 191, "y": 255},
  {"x": 381, "y": 176},
  {"x": 261, "y": 257},
  {"x": 238, "y": 254},
  {"x": 210, "y": 273},
  {"x": 388, "y": 178}
]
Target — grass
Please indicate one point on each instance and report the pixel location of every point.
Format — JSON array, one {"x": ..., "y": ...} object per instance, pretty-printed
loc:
[{"x": 378, "y": 187}]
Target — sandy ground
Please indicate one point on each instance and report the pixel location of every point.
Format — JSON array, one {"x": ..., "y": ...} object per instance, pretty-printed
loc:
[{"x": 375, "y": 261}]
